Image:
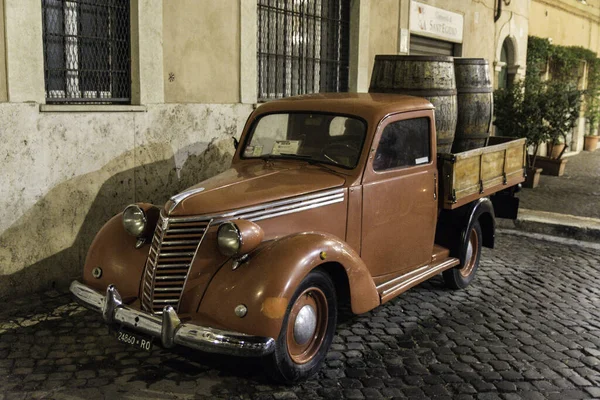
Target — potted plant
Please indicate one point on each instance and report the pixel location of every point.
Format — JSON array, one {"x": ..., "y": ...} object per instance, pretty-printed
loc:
[
  {"x": 591, "y": 141},
  {"x": 561, "y": 102},
  {"x": 518, "y": 113}
]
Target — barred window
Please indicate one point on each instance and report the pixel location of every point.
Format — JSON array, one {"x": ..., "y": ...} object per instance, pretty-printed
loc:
[
  {"x": 86, "y": 51},
  {"x": 303, "y": 47}
]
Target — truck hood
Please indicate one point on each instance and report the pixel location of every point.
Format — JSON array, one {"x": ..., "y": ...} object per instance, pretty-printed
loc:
[{"x": 249, "y": 184}]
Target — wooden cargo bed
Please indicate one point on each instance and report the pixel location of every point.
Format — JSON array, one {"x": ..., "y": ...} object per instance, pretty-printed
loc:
[{"x": 476, "y": 173}]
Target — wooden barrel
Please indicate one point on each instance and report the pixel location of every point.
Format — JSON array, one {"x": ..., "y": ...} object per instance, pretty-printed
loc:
[
  {"x": 475, "y": 103},
  {"x": 431, "y": 77}
]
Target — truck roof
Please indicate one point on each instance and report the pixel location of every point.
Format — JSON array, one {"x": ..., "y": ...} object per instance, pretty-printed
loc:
[{"x": 366, "y": 105}]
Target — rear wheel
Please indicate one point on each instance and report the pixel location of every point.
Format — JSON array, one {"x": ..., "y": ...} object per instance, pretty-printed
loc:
[
  {"x": 307, "y": 331},
  {"x": 461, "y": 276}
]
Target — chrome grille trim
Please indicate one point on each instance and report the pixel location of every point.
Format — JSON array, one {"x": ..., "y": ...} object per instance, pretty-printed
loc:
[
  {"x": 169, "y": 262},
  {"x": 164, "y": 261},
  {"x": 272, "y": 209}
]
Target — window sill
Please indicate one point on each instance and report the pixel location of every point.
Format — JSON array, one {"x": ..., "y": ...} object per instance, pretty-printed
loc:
[{"x": 90, "y": 108}]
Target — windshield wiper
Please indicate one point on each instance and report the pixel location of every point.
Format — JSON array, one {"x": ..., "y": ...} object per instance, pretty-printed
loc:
[
  {"x": 307, "y": 158},
  {"x": 310, "y": 159}
]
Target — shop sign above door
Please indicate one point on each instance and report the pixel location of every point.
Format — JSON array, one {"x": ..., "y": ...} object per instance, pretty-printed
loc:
[{"x": 435, "y": 22}]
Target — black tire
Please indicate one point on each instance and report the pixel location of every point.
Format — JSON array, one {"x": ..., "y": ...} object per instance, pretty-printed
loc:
[
  {"x": 460, "y": 276},
  {"x": 283, "y": 365}
]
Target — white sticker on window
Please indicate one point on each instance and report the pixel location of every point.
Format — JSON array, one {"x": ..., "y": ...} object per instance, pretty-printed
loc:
[
  {"x": 257, "y": 151},
  {"x": 253, "y": 151},
  {"x": 286, "y": 147},
  {"x": 422, "y": 160}
]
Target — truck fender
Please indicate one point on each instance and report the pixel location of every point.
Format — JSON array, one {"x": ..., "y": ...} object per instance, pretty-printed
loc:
[
  {"x": 266, "y": 281},
  {"x": 454, "y": 225},
  {"x": 113, "y": 251}
]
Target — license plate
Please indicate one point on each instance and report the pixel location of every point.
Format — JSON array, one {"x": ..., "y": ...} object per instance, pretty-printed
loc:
[{"x": 133, "y": 339}]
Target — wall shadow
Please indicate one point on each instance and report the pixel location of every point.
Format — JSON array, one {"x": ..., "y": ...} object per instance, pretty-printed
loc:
[{"x": 47, "y": 246}]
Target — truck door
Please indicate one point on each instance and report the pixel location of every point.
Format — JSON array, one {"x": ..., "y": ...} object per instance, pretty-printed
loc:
[{"x": 400, "y": 195}]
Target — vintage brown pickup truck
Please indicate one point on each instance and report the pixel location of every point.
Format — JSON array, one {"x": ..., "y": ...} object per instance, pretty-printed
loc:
[{"x": 330, "y": 200}]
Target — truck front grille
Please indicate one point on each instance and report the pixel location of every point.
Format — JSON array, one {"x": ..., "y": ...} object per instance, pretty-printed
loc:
[{"x": 174, "y": 246}]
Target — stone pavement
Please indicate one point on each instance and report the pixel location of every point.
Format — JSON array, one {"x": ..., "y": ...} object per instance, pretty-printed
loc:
[
  {"x": 528, "y": 327},
  {"x": 577, "y": 192},
  {"x": 567, "y": 206}
]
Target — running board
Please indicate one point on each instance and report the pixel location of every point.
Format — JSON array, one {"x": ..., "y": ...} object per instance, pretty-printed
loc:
[{"x": 394, "y": 287}]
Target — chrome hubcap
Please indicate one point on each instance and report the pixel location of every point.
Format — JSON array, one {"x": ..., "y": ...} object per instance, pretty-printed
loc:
[
  {"x": 469, "y": 254},
  {"x": 305, "y": 324}
]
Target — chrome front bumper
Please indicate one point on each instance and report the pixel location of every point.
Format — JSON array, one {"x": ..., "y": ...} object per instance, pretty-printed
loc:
[{"x": 169, "y": 328}]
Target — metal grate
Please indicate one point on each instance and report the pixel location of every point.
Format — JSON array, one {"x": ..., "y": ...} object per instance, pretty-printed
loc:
[
  {"x": 174, "y": 246},
  {"x": 303, "y": 47},
  {"x": 86, "y": 51}
]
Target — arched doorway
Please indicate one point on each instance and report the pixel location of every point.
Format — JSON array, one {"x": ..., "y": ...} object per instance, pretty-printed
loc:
[{"x": 505, "y": 67}]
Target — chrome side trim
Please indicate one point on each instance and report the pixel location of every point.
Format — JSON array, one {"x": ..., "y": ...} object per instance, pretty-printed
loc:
[
  {"x": 272, "y": 209},
  {"x": 405, "y": 282},
  {"x": 169, "y": 328},
  {"x": 294, "y": 210},
  {"x": 178, "y": 198}
]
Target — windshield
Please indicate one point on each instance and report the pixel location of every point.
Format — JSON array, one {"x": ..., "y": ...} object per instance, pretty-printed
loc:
[{"x": 327, "y": 138}]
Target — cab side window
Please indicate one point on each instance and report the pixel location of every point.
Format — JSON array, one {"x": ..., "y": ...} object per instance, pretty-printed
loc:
[{"x": 403, "y": 144}]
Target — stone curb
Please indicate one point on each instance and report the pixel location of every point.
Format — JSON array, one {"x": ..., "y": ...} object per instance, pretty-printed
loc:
[{"x": 554, "y": 224}]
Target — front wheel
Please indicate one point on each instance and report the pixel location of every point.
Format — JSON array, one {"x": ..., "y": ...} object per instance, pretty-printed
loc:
[
  {"x": 307, "y": 331},
  {"x": 461, "y": 276}
]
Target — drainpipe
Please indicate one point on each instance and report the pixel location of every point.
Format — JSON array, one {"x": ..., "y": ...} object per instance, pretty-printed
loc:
[{"x": 498, "y": 12}]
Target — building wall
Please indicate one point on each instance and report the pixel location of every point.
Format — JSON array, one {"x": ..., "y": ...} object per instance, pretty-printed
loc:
[
  {"x": 567, "y": 23},
  {"x": 384, "y": 19},
  {"x": 478, "y": 38},
  {"x": 65, "y": 174},
  {"x": 388, "y": 18},
  {"x": 68, "y": 169},
  {"x": 3, "y": 89},
  {"x": 201, "y": 46}
]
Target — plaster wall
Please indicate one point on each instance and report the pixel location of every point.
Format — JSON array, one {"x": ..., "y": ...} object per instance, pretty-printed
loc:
[
  {"x": 24, "y": 50},
  {"x": 65, "y": 174},
  {"x": 359, "y": 73},
  {"x": 147, "y": 76},
  {"x": 201, "y": 47},
  {"x": 568, "y": 24},
  {"x": 384, "y": 19},
  {"x": 3, "y": 91}
]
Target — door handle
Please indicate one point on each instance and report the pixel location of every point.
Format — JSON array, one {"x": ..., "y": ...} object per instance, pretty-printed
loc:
[{"x": 435, "y": 186}]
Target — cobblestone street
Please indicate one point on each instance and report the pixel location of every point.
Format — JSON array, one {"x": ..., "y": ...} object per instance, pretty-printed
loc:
[
  {"x": 528, "y": 327},
  {"x": 575, "y": 193}
]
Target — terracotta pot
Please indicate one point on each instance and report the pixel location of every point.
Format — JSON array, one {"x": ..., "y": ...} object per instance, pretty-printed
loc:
[
  {"x": 551, "y": 166},
  {"x": 555, "y": 149},
  {"x": 532, "y": 180},
  {"x": 590, "y": 143}
]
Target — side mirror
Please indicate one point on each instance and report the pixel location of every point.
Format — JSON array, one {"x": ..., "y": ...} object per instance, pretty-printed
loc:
[{"x": 236, "y": 142}]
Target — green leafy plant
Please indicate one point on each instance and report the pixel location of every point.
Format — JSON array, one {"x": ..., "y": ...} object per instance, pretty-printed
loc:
[
  {"x": 561, "y": 103},
  {"x": 519, "y": 113},
  {"x": 592, "y": 96}
]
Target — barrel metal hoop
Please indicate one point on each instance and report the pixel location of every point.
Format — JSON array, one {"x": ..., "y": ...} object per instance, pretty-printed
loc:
[{"x": 474, "y": 90}]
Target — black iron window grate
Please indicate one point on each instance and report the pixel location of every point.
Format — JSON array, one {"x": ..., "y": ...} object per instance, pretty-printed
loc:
[
  {"x": 303, "y": 47},
  {"x": 86, "y": 51}
]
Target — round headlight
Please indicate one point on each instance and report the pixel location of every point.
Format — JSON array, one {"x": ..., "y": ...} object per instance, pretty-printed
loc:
[
  {"x": 229, "y": 239},
  {"x": 134, "y": 220}
]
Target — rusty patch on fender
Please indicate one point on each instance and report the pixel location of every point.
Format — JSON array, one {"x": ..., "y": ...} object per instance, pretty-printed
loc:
[{"x": 274, "y": 307}]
